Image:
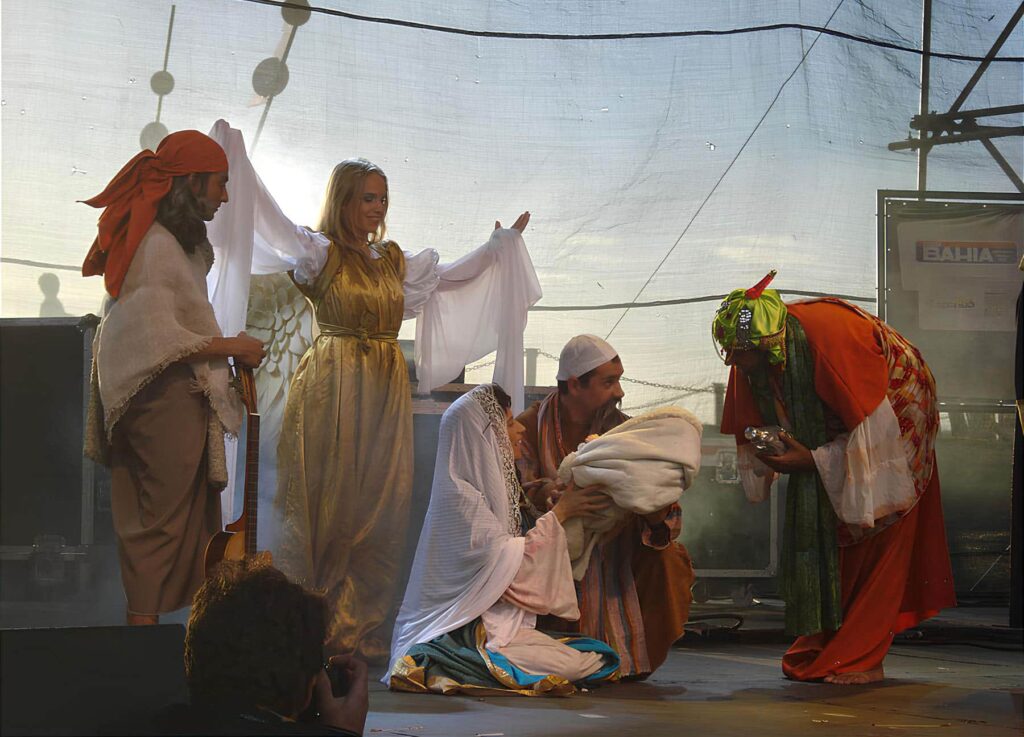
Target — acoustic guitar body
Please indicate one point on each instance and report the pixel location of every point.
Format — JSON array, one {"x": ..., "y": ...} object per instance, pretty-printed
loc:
[
  {"x": 224, "y": 546},
  {"x": 238, "y": 540}
]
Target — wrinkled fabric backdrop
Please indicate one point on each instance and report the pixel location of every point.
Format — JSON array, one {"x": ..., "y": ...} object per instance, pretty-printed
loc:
[{"x": 632, "y": 154}]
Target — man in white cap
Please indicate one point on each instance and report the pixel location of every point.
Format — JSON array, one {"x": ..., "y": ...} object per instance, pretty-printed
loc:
[{"x": 635, "y": 594}]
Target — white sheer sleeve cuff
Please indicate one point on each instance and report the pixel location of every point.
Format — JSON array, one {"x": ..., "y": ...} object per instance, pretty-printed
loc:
[
  {"x": 756, "y": 477},
  {"x": 308, "y": 254},
  {"x": 866, "y": 473},
  {"x": 421, "y": 280},
  {"x": 473, "y": 263},
  {"x": 830, "y": 460}
]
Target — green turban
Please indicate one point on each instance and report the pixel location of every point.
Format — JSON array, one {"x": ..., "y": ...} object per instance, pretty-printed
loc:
[{"x": 753, "y": 319}]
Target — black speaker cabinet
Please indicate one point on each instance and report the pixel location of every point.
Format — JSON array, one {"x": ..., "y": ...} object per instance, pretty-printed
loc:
[
  {"x": 75, "y": 680},
  {"x": 54, "y": 503},
  {"x": 46, "y": 485}
]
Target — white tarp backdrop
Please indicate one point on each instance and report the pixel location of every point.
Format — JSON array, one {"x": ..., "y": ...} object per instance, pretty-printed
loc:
[{"x": 616, "y": 146}]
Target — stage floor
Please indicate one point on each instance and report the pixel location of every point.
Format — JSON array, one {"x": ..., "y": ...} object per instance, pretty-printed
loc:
[
  {"x": 738, "y": 689},
  {"x": 964, "y": 676}
]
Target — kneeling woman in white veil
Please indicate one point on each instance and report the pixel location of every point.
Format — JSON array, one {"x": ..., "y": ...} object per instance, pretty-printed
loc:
[{"x": 467, "y": 622}]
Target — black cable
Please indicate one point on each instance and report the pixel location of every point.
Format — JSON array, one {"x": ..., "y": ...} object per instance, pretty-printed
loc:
[
  {"x": 539, "y": 308},
  {"x": 722, "y": 615},
  {"x": 961, "y": 643},
  {"x": 625, "y": 36},
  {"x": 689, "y": 300},
  {"x": 703, "y": 630}
]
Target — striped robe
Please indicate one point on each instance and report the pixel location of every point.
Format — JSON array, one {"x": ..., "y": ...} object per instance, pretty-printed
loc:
[{"x": 635, "y": 594}]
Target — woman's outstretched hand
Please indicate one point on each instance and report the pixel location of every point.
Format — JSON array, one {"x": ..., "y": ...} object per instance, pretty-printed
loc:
[{"x": 519, "y": 224}]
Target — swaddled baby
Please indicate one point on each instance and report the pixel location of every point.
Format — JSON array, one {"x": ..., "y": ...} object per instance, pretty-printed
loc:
[{"x": 644, "y": 465}]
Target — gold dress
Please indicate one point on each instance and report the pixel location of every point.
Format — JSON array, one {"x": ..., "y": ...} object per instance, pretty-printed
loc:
[{"x": 346, "y": 454}]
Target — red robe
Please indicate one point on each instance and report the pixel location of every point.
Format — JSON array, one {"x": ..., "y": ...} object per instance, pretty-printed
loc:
[{"x": 889, "y": 581}]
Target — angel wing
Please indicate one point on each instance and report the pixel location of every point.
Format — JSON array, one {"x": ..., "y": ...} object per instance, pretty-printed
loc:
[{"x": 280, "y": 316}]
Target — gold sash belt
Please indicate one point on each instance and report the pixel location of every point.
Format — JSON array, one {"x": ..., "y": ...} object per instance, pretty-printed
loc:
[{"x": 361, "y": 334}]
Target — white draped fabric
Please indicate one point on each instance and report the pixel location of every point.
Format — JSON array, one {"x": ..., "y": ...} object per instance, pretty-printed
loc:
[
  {"x": 866, "y": 472},
  {"x": 755, "y": 476},
  {"x": 467, "y": 556},
  {"x": 479, "y": 306}
]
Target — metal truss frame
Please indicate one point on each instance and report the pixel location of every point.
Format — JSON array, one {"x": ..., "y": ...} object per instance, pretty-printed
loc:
[{"x": 956, "y": 125}]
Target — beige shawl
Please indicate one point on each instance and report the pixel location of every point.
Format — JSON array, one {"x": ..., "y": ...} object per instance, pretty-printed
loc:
[{"x": 162, "y": 316}]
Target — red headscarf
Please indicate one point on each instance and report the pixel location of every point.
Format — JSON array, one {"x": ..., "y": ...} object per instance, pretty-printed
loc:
[{"x": 132, "y": 197}]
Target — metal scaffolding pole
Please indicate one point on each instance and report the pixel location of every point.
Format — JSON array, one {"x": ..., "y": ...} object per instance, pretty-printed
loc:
[
  {"x": 988, "y": 57},
  {"x": 956, "y": 126},
  {"x": 926, "y": 65}
]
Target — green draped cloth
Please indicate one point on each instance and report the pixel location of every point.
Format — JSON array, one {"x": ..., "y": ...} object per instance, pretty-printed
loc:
[
  {"x": 809, "y": 575},
  {"x": 455, "y": 656}
]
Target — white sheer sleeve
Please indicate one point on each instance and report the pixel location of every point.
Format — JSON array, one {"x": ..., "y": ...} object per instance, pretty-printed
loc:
[
  {"x": 544, "y": 582},
  {"x": 423, "y": 273},
  {"x": 477, "y": 305},
  {"x": 250, "y": 235},
  {"x": 865, "y": 472},
  {"x": 421, "y": 279},
  {"x": 306, "y": 260},
  {"x": 755, "y": 476}
]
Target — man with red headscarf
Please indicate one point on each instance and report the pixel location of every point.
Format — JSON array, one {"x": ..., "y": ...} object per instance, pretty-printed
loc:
[
  {"x": 161, "y": 398},
  {"x": 864, "y": 552}
]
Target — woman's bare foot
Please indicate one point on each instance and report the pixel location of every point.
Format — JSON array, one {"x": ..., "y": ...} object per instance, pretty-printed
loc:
[{"x": 857, "y": 679}]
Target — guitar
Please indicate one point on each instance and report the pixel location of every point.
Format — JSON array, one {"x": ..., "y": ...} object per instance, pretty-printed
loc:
[{"x": 237, "y": 541}]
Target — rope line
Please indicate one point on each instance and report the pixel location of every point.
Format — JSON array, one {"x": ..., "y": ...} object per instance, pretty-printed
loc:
[{"x": 527, "y": 36}]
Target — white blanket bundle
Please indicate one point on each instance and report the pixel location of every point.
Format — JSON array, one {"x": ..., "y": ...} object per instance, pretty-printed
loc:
[{"x": 644, "y": 465}]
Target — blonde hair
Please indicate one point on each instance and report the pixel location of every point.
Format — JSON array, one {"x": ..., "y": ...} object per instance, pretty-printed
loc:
[{"x": 345, "y": 184}]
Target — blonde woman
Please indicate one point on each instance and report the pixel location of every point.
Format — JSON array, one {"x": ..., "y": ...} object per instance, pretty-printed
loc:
[{"x": 346, "y": 455}]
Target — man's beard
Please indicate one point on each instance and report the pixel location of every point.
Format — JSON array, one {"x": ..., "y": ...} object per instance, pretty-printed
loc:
[
  {"x": 608, "y": 415},
  {"x": 182, "y": 213},
  {"x": 207, "y": 208}
]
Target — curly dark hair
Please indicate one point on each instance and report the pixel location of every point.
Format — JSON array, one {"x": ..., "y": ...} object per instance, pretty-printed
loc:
[
  {"x": 254, "y": 639},
  {"x": 179, "y": 212}
]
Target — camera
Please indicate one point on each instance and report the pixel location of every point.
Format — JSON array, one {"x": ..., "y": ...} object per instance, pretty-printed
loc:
[
  {"x": 339, "y": 687},
  {"x": 338, "y": 679}
]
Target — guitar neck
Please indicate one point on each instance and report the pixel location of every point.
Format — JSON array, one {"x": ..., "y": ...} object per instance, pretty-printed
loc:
[{"x": 251, "y": 497}]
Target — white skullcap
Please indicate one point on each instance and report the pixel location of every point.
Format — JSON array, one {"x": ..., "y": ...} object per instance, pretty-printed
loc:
[{"x": 582, "y": 354}]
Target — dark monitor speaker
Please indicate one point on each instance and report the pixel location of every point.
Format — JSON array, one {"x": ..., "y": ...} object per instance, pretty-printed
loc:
[{"x": 75, "y": 680}]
